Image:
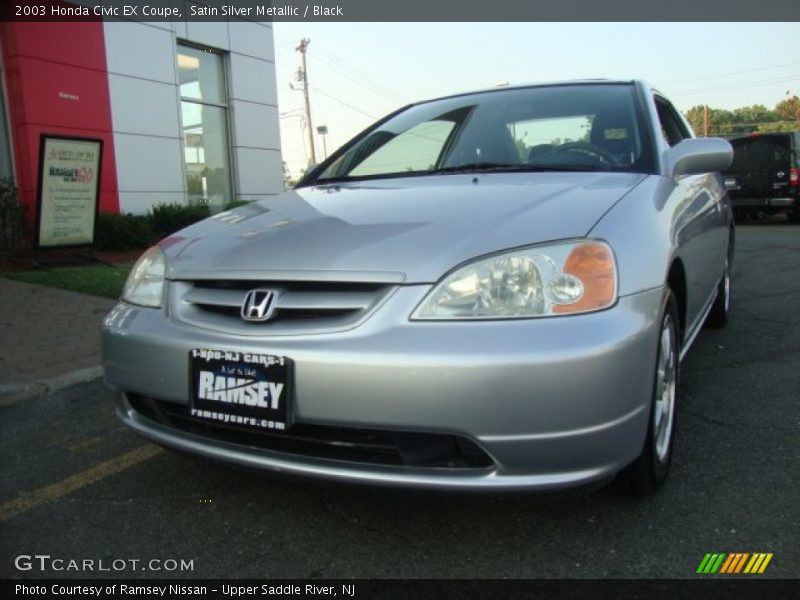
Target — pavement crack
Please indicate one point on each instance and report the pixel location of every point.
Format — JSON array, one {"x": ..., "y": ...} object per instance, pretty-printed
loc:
[
  {"x": 710, "y": 420},
  {"x": 392, "y": 535}
]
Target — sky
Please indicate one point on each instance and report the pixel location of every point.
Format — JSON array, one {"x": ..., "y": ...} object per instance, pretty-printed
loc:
[{"x": 359, "y": 72}]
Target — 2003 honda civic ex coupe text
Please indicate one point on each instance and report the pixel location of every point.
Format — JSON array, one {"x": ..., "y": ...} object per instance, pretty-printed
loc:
[{"x": 484, "y": 291}]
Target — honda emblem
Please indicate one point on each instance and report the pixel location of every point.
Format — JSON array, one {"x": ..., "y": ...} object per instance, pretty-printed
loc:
[{"x": 258, "y": 305}]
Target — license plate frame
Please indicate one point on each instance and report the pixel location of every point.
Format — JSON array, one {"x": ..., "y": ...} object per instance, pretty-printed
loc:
[{"x": 250, "y": 389}]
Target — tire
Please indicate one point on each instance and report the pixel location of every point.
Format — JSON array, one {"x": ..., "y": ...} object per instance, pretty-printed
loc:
[
  {"x": 794, "y": 216},
  {"x": 718, "y": 315},
  {"x": 645, "y": 475}
]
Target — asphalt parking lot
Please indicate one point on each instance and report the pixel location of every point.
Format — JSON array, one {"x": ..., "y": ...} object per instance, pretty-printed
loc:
[{"x": 74, "y": 484}]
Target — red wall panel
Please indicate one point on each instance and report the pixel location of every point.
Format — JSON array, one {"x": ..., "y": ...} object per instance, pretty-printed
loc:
[
  {"x": 70, "y": 43},
  {"x": 57, "y": 83}
]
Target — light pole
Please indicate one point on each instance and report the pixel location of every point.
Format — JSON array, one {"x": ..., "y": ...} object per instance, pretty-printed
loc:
[{"x": 323, "y": 131}]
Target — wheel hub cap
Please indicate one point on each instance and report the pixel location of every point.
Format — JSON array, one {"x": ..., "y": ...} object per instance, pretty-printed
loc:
[{"x": 664, "y": 410}]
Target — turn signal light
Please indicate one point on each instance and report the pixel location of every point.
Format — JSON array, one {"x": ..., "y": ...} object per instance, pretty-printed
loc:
[{"x": 593, "y": 264}]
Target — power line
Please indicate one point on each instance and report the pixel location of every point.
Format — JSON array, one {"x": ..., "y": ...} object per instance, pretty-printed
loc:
[
  {"x": 729, "y": 73},
  {"x": 343, "y": 103},
  {"x": 357, "y": 82},
  {"x": 783, "y": 79},
  {"x": 376, "y": 85}
]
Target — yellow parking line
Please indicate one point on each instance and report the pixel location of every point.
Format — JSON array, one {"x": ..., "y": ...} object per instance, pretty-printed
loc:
[{"x": 54, "y": 491}]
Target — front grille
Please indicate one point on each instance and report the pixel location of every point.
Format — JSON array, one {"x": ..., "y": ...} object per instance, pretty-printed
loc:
[
  {"x": 300, "y": 306},
  {"x": 347, "y": 444}
]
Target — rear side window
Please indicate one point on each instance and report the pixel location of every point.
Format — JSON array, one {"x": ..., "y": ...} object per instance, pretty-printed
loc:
[
  {"x": 672, "y": 127},
  {"x": 760, "y": 153}
]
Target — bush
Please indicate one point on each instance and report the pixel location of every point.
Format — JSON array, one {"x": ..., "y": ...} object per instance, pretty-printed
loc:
[
  {"x": 119, "y": 232},
  {"x": 12, "y": 219},
  {"x": 166, "y": 219},
  {"x": 235, "y": 203}
]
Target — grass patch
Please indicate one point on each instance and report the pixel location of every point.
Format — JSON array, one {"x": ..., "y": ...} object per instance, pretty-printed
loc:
[{"x": 97, "y": 280}]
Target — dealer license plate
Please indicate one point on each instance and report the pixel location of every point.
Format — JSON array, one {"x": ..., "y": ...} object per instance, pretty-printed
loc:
[{"x": 241, "y": 388}]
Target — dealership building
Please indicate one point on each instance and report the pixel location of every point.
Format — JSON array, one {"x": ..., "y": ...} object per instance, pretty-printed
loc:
[{"x": 186, "y": 111}]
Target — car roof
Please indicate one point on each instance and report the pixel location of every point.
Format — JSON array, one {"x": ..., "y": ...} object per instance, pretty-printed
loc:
[{"x": 520, "y": 86}]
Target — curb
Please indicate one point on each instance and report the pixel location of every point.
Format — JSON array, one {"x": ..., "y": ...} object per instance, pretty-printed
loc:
[{"x": 13, "y": 393}]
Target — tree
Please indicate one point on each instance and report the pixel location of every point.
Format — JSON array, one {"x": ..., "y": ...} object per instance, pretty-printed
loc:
[
  {"x": 288, "y": 180},
  {"x": 784, "y": 117},
  {"x": 789, "y": 109}
]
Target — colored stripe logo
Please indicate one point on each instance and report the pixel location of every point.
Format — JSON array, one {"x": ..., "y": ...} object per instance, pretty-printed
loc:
[{"x": 734, "y": 563}]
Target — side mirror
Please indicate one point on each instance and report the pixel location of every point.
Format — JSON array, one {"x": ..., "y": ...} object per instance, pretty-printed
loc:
[{"x": 699, "y": 155}]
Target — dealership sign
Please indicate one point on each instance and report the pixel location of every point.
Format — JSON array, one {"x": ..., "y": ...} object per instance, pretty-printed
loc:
[{"x": 69, "y": 190}]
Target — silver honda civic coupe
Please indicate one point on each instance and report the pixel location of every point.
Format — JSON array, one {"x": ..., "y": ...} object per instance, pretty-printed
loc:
[{"x": 490, "y": 290}]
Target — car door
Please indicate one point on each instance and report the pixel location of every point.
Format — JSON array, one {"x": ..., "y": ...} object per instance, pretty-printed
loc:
[{"x": 699, "y": 222}]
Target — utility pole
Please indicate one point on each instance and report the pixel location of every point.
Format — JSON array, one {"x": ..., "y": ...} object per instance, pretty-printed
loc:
[
  {"x": 304, "y": 72},
  {"x": 705, "y": 120}
]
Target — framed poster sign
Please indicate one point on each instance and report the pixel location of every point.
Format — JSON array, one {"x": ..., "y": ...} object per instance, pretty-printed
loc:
[{"x": 69, "y": 190}]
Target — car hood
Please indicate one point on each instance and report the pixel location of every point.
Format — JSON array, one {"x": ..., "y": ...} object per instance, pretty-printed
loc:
[{"x": 409, "y": 230}]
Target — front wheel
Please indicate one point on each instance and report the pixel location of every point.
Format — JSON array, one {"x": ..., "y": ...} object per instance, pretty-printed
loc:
[{"x": 649, "y": 471}]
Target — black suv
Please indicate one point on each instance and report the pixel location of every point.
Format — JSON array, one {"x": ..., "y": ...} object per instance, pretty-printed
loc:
[{"x": 765, "y": 175}]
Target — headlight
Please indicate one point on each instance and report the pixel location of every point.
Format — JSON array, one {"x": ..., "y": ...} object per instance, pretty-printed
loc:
[
  {"x": 563, "y": 278},
  {"x": 145, "y": 285}
]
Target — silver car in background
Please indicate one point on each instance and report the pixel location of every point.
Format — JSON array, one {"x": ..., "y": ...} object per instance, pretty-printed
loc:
[{"x": 490, "y": 290}]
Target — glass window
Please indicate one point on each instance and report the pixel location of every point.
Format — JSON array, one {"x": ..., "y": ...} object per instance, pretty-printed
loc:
[
  {"x": 539, "y": 136},
  {"x": 760, "y": 153},
  {"x": 5, "y": 141},
  {"x": 204, "y": 118},
  {"x": 596, "y": 127},
  {"x": 416, "y": 149},
  {"x": 671, "y": 126},
  {"x": 200, "y": 74}
]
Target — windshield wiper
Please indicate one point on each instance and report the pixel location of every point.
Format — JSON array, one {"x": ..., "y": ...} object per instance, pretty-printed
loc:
[
  {"x": 578, "y": 168},
  {"x": 476, "y": 167},
  {"x": 487, "y": 167}
]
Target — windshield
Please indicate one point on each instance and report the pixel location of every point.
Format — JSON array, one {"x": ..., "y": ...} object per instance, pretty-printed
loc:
[{"x": 593, "y": 127}]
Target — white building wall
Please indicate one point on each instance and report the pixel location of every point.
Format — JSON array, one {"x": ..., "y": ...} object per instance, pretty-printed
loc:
[
  {"x": 145, "y": 108},
  {"x": 253, "y": 94}
]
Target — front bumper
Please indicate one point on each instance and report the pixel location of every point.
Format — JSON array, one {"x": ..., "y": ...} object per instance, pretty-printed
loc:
[{"x": 555, "y": 402}]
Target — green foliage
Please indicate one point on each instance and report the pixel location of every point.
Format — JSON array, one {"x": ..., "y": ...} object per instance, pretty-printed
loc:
[
  {"x": 12, "y": 219},
  {"x": 789, "y": 109},
  {"x": 288, "y": 180},
  {"x": 234, "y": 203},
  {"x": 117, "y": 232},
  {"x": 740, "y": 121},
  {"x": 166, "y": 219},
  {"x": 98, "y": 280}
]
